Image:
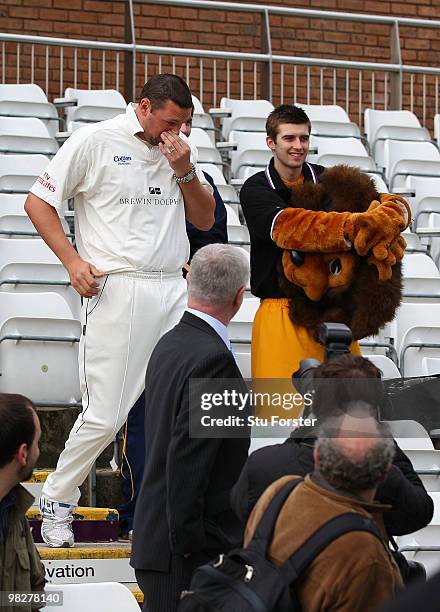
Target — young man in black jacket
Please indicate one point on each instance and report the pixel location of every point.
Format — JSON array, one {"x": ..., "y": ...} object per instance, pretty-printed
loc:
[{"x": 349, "y": 378}]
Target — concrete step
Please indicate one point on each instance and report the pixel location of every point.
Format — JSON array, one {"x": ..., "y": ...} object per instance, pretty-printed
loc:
[
  {"x": 89, "y": 562},
  {"x": 89, "y": 524}
]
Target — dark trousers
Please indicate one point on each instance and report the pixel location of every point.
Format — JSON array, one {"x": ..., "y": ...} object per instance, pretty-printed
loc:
[
  {"x": 162, "y": 589},
  {"x": 132, "y": 465}
]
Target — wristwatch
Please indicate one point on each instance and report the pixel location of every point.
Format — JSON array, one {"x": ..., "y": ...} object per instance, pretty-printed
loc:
[{"x": 186, "y": 178}]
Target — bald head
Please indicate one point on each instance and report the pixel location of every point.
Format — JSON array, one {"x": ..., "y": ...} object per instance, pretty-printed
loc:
[{"x": 353, "y": 452}]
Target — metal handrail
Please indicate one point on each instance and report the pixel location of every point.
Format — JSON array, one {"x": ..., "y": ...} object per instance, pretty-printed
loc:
[{"x": 208, "y": 53}]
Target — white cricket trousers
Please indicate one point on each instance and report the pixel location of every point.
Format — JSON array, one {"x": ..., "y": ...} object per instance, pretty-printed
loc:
[{"x": 121, "y": 326}]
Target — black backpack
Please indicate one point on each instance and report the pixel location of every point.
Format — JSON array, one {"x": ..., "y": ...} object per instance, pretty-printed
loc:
[{"x": 244, "y": 580}]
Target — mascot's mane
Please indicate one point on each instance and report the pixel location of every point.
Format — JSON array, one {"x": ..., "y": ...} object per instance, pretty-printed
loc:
[{"x": 366, "y": 304}]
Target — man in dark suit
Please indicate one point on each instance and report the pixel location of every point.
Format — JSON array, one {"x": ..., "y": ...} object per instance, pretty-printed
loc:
[{"x": 183, "y": 516}]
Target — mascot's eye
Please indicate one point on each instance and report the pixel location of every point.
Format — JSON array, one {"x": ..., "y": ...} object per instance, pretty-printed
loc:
[
  {"x": 297, "y": 258},
  {"x": 335, "y": 266}
]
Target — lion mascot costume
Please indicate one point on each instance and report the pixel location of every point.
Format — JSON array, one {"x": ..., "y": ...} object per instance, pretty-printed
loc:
[{"x": 360, "y": 283}]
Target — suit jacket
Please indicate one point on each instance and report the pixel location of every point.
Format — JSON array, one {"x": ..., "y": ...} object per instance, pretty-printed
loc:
[{"x": 183, "y": 504}]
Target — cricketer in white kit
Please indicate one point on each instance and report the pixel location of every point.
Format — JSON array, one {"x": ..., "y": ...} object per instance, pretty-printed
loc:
[{"x": 134, "y": 180}]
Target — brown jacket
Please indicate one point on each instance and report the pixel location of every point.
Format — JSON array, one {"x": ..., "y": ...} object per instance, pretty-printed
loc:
[
  {"x": 20, "y": 564},
  {"x": 355, "y": 573}
]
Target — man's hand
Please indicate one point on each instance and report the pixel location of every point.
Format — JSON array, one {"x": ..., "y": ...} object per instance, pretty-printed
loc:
[
  {"x": 177, "y": 153},
  {"x": 83, "y": 277}
]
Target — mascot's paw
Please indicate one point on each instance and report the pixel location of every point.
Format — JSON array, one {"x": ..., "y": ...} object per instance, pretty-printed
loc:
[
  {"x": 395, "y": 253},
  {"x": 378, "y": 228}
]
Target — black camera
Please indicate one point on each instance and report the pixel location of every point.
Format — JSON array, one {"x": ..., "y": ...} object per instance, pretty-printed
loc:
[{"x": 336, "y": 338}]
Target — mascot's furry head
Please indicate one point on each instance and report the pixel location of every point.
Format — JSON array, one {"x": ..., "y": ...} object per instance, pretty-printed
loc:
[{"x": 339, "y": 287}]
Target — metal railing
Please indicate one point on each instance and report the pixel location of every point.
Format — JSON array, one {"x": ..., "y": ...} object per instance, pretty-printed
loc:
[{"x": 386, "y": 85}]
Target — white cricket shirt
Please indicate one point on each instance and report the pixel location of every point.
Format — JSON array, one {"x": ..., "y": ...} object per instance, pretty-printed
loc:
[{"x": 129, "y": 211}]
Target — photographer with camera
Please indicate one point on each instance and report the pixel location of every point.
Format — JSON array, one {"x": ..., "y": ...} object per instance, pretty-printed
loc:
[{"x": 356, "y": 379}]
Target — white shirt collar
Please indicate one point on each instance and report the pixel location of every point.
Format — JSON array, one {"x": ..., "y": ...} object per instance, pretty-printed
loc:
[
  {"x": 214, "y": 323},
  {"x": 133, "y": 125}
]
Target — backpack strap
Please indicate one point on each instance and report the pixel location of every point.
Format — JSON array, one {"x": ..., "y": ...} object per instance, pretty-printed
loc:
[
  {"x": 266, "y": 526},
  {"x": 331, "y": 530}
]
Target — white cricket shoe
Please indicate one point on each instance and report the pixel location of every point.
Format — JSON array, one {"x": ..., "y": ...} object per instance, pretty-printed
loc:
[{"x": 56, "y": 528}]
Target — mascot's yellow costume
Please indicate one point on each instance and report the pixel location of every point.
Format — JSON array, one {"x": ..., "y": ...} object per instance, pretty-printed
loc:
[{"x": 358, "y": 284}]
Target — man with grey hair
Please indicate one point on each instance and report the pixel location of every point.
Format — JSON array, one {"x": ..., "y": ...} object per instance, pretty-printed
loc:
[
  {"x": 183, "y": 516},
  {"x": 355, "y": 572}
]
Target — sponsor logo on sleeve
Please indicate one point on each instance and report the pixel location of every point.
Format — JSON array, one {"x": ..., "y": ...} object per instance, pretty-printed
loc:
[{"x": 46, "y": 181}]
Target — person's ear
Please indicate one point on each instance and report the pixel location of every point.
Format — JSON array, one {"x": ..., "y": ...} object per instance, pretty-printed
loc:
[
  {"x": 315, "y": 455},
  {"x": 22, "y": 454},
  {"x": 239, "y": 297},
  {"x": 270, "y": 143},
  {"x": 145, "y": 106}
]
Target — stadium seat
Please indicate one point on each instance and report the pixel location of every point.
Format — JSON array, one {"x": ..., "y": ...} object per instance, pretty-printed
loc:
[
  {"x": 245, "y": 116},
  {"x": 426, "y": 199},
  {"x": 421, "y": 278},
  {"x": 237, "y": 233},
  {"x": 385, "y": 365},
  {"x": 381, "y": 186},
  {"x": 240, "y": 328},
  {"x": 19, "y": 172},
  {"x": 25, "y": 135},
  {"x": 426, "y": 462},
  {"x": 97, "y": 597},
  {"x": 92, "y": 105},
  {"x": 330, "y": 120},
  {"x": 201, "y": 119},
  {"x": 29, "y": 277},
  {"x": 28, "y": 100},
  {"x": 396, "y": 125},
  {"x": 419, "y": 324},
  {"x": 39, "y": 338},
  {"x": 207, "y": 153},
  {"x": 333, "y": 151},
  {"x": 403, "y": 159},
  {"x": 410, "y": 435},
  {"x": 252, "y": 152}
]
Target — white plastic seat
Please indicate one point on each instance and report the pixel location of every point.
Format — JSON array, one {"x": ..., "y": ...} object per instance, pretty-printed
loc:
[
  {"x": 426, "y": 199},
  {"x": 396, "y": 125},
  {"x": 40, "y": 277},
  {"x": 93, "y": 105},
  {"x": 252, "y": 152},
  {"x": 403, "y": 158},
  {"x": 410, "y": 435},
  {"x": 243, "y": 359},
  {"x": 246, "y": 115},
  {"x": 421, "y": 341},
  {"x": 20, "y": 250},
  {"x": 330, "y": 120},
  {"x": 240, "y": 328},
  {"x": 13, "y": 204},
  {"x": 206, "y": 151},
  {"x": 28, "y": 100},
  {"x": 25, "y": 135},
  {"x": 201, "y": 119},
  {"x": 21, "y": 225},
  {"x": 216, "y": 174},
  {"x": 38, "y": 336},
  {"x": 333, "y": 151},
  {"x": 19, "y": 172},
  {"x": 385, "y": 365},
  {"x": 381, "y": 186},
  {"x": 98, "y": 596}
]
